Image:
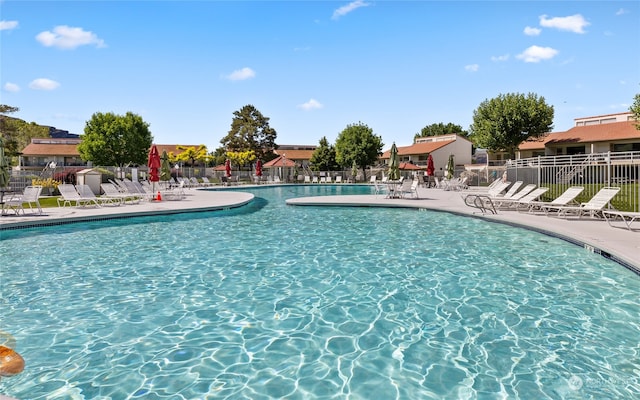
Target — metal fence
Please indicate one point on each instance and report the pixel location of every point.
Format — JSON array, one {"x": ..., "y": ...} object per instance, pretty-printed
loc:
[{"x": 592, "y": 171}]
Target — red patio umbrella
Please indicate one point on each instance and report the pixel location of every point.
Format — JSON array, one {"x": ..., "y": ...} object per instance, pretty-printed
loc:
[
  {"x": 431, "y": 169},
  {"x": 259, "y": 168},
  {"x": 227, "y": 168},
  {"x": 154, "y": 164}
]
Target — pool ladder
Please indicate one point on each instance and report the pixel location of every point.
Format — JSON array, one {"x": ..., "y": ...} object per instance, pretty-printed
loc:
[{"x": 481, "y": 202}]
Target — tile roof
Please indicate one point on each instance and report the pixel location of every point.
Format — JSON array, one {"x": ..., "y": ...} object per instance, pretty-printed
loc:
[
  {"x": 48, "y": 149},
  {"x": 418, "y": 148},
  {"x": 596, "y": 133},
  {"x": 280, "y": 162},
  {"x": 405, "y": 166},
  {"x": 295, "y": 154}
]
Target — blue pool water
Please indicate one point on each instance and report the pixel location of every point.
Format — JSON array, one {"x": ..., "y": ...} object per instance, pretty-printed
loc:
[{"x": 270, "y": 301}]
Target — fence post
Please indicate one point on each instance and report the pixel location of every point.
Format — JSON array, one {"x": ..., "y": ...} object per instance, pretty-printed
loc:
[{"x": 608, "y": 168}]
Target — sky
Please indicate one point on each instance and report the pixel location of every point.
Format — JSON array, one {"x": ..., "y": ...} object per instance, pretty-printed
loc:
[{"x": 312, "y": 67}]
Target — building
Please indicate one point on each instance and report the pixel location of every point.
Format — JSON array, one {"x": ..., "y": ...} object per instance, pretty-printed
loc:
[
  {"x": 41, "y": 152},
  {"x": 597, "y": 134},
  {"x": 440, "y": 148}
]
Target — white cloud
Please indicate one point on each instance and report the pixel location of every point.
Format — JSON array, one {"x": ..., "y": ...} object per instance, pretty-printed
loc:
[
  {"x": 242, "y": 74},
  {"x": 472, "y": 67},
  {"x": 536, "y": 54},
  {"x": 622, "y": 11},
  {"x": 11, "y": 87},
  {"x": 344, "y": 10},
  {"x": 312, "y": 104},
  {"x": 43, "y": 84},
  {"x": 67, "y": 37},
  {"x": 503, "y": 57},
  {"x": 8, "y": 25},
  {"x": 529, "y": 31},
  {"x": 573, "y": 23}
]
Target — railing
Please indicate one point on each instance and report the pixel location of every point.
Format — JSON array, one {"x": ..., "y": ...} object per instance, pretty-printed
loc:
[{"x": 592, "y": 171}]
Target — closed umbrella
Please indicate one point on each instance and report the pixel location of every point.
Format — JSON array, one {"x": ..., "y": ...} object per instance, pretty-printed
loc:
[
  {"x": 154, "y": 165},
  {"x": 431, "y": 169},
  {"x": 227, "y": 168},
  {"x": 394, "y": 164},
  {"x": 259, "y": 169},
  {"x": 450, "y": 167},
  {"x": 165, "y": 169}
]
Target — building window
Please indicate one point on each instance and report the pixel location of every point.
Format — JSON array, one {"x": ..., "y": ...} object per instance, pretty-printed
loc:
[
  {"x": 625, "y": 147},
  {"x": 575, "y": 150}
]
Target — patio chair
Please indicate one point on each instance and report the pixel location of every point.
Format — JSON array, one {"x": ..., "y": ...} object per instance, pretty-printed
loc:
[
  {"x": 593, "y": 207},
  {"x": 409, "y": 188},
  {"x": 339, "y": 179},
  {"x": 30, "y": 195}
]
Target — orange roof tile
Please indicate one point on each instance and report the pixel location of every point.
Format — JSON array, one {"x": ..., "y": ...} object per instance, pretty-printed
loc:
[
  {"x": 280, "y": 162},
  {"x": 596, "y": 133},
  {"x": 405, "y": 166},
  {"x": 418, "y": 148},
  {"x": 296, "y": 154},
  {"x": 48, "y": 149}
]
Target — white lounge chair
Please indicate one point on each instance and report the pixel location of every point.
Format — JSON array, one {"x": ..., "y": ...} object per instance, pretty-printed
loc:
[
  {"x": 70, "y": 196},
  {"x": 86, "y": 192},
  {"x": 112, "y": 191},
  {"x": 525, "y": 200},
  {"x": 628, "y": 217},
  {"x": 593, "y": 207},
  {"x": 339, "y": 179},
  {"x": 566, "y": 198},
  {"x": 507, "y": 201},
  {"x": 31, "y": 194}
]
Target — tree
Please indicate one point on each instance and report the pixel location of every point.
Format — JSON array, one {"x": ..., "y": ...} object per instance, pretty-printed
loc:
[
  {"x": 192, "y": 154},
  {"x": 441, "y": 129},
  {"x": 17, "y": 134},
  {"x": 324, "y": 157},
  {"x": 241, "y": 158},
  {"x": 635, "y": 109},
  {"x": 111, "y": 139},
  {"x": 250, "y": 130},
  {"x": 358, "y": 144},
  {"x": 502, "y": 123}
]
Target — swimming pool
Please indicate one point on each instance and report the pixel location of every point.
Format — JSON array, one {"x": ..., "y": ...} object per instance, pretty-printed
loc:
[{"x": 271, "y": 301}]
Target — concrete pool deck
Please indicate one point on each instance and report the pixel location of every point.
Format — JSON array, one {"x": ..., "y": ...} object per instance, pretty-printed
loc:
[{"x": 616, "y": 243}]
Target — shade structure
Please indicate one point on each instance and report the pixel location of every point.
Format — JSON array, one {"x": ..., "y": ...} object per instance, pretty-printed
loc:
[
  {"x": 165, "y": 169},
  {"x": 4, "y": 167},
  {"x": 406, "y": 166},
  {"x": 154, "y": 164},
  {"x": 431, "y": 169},
  {"x": 227, "y": 168},
  {"x": 394, "y": 163},
  {"x": 259, "y": 168},
  {"x": 450, "y": 167}
]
